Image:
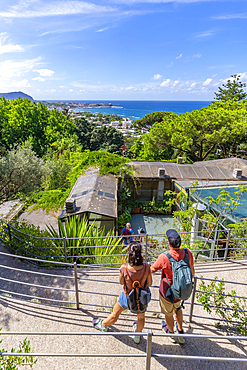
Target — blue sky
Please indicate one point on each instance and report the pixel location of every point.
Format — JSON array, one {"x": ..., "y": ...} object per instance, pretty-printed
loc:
[{"x": 121, "y": 49}]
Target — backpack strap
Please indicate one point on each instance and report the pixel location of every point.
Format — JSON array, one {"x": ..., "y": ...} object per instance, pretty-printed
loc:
[
  {"x": 167, "y": 254},
  {"x": 186, "y": 256},
  {"x": 140, "y": 282}
]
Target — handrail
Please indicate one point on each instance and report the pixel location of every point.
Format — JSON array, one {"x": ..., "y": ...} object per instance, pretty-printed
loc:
[{"x": 148, "y": 353}]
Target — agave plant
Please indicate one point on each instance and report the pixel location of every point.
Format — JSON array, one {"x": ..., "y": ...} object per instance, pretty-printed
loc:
[{"x": 86, "y": 243}]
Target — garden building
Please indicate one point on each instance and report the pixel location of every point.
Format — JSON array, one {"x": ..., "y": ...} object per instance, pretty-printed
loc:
[
  {"x": 157, "y": 177},
  {"x": 95, "y": 197}
]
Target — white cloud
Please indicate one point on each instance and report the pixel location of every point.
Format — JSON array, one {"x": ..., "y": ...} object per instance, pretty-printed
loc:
[
  {"x": 207, "y": 82},
  {"x": 156, "y": 77},
  {"x": 10, "y": 68},
  {"x": 50, "y": 91},
  {"x": 180, "y": 56},
  {"x": 231, "y": 16},
  {"x": 166, "y": 82},
  {"x": 8, "y": 48},
  {"x": 103, "y": 29},
  {"x": 34, "y": 9},
  {"x": 71, "y": 90},
  {"x": 198, "y": 55},
  {"x": 38, "y": 79},
  {"x": 22, "y": 83},
  {"x": 205, "y": 34},
  {"x": 45, "y": 72},
  {"x": 61, "y": 87}
]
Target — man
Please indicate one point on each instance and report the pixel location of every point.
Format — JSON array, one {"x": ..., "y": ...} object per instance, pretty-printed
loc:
[
  {"x": 127, "y": 231},
  {"x": 167, "y": 308}
]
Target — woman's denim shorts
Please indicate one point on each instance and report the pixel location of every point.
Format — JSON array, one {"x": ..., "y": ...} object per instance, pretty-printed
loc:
[{"x": 122, "y": 300}]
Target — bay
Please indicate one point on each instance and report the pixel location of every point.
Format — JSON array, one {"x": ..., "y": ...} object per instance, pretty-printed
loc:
[{"x": 136, "y": 109}]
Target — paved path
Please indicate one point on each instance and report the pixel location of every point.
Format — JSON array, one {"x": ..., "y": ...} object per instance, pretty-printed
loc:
[{"x": 24, "y": 315}]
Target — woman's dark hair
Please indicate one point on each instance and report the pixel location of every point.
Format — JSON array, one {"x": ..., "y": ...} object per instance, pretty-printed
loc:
[{"x": 135, "y": 254}]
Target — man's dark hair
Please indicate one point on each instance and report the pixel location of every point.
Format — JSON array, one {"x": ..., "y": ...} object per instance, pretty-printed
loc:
[{"x": 175, "y": 242}]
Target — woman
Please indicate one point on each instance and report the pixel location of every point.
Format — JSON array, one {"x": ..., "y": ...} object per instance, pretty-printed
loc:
[{"x": 135, "y": 270}]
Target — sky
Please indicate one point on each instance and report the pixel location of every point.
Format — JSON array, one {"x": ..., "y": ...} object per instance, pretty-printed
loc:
[{"x": 121, "y": 49}]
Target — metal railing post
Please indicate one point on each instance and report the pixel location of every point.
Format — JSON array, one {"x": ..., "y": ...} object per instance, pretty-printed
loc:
[
  {"x": 227, "y": 244},
  {"x": 149, "y": 349},
  {"x": 76, "y": 286},
  {"x": 193, "y": 299},
  {"x": 64, "y": 248},
  {"x": 146, "y": 247},
  {"x": 10, "y": 238}
]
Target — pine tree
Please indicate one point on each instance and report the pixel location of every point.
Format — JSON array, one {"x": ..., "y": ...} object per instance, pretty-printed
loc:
[{"x": 232, "y": 89}]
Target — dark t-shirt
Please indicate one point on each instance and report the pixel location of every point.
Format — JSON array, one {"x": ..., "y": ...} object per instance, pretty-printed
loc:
[{"x": 163, "y": 263}]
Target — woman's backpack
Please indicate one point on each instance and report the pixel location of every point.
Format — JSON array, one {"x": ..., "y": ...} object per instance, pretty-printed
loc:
[{"x": 138, "y": 298}]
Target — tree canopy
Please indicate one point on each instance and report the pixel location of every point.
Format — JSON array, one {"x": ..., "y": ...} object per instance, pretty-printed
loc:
[
  {"x": 24, "y": 121},
  {"x": 197, "y": 135},
  {"x": 95, "y": 137},
  {"x": 150, "y": 119},
  {"x": 233, "y": 89}
]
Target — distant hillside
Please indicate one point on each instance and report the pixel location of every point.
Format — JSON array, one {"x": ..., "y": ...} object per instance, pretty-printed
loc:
[{"x": 15, "y": 95}]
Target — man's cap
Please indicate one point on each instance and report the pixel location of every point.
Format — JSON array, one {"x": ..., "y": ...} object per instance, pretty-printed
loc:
[{"x": 171, "y": 233}]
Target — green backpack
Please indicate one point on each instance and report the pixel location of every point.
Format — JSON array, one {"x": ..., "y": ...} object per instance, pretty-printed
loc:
[{"x": 182, "y": 284}]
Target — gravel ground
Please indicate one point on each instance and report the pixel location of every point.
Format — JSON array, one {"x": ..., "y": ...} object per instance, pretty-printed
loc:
[{"x": 26, "y": 315}]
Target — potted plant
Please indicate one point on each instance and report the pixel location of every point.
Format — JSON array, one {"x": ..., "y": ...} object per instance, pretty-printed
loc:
[{"x": 135, "y": 206}]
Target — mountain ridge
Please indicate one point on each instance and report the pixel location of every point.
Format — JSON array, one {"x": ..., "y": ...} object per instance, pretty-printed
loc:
[{"x": 16, "y": 95}]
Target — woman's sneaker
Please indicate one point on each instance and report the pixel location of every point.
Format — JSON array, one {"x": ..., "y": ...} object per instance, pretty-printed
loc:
[
  {"x": 97, "y": 323},
  {"x": 137, "y": 338},
  {"x": 166, "y": 330},
  {"x": 181, "y": 340}
]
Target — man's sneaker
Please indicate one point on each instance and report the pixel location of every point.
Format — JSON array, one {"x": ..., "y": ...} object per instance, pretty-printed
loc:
[
  {"x": 97, "y": 323},
  {"x": 181, "y": 340},
  {"x": 137, "y": 338},
  {"x": 166, "y": 330}
]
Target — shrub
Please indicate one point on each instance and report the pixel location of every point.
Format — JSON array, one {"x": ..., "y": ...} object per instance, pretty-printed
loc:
[
  {"x": 14, "y": 362},
  {"x": 224, "y": 304},
  {"x": 21, "y": 170}
]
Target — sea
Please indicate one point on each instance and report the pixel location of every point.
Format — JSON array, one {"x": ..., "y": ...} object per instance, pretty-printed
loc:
[{"x": 136, "y": 109}]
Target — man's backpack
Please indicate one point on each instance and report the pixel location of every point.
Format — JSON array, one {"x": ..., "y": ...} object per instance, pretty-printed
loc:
[
  {"x": 138, "y": 298},
  {"x": 182, "y": 284}
]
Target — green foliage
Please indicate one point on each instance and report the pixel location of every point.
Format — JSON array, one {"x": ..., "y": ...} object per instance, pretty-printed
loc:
[
  {"x": 150, "y": 119},
  {"x": 21, "y": 170},
  {"x": 49, "y": 200},
  {"x": 101, "y": 137},
  {"x": 70, "y": 166},
  {"x": 123, "y": 219},
  {"x": 238, "y": 244},
  {"x": 220, "y": 208},
  {"x": 56, "y": 176},
  {"x": 87, "y": 244},
  {"x": 23, "y": 120},
  {"x": 124, "y": 194},
  {"x": 15, "y": 362},
  {"x": 215, "y": 299},
  {"x": 31, "y": 241},
  {"x": 196, "y": 135},
  {"x": 232, "y": 89},
  {"x": 158, "y": 206}
]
